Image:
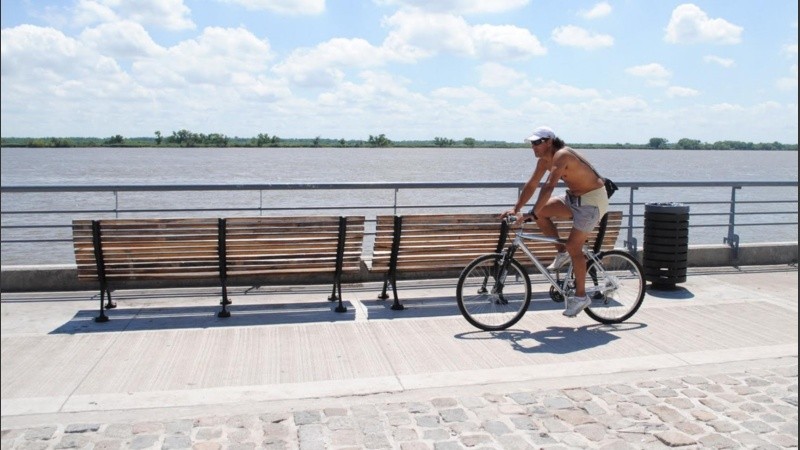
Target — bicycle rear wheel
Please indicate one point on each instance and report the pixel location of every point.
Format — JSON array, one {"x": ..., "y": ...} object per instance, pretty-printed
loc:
[
  {"x": 491, "y": 300},
  {"x": 617, "y": 291}
]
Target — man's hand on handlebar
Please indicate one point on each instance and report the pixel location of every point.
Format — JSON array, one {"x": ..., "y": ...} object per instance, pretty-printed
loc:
[{"x": 516, "y": 217}]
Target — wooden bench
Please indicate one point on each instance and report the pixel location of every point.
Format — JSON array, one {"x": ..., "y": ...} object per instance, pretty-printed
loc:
[
  {"x": 114, "y": 251},
  {"x": 441, "y": 245},
  {"x": 432, "y": 244}
]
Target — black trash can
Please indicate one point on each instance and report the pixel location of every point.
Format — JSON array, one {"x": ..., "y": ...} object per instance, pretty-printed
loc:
[{"x": 666, "y": 243}]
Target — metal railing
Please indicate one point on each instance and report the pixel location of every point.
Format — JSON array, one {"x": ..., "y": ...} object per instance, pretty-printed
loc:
[{"x": 43, "y": 214}]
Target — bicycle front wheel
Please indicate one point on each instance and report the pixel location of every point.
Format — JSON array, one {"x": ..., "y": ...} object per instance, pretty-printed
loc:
[
  {"x": 491, "y": 298},
  {"x": 617, "y": 288}
]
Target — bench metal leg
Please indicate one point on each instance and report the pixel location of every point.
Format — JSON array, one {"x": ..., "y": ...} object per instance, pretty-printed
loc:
[
  {"x": 225, "y": 302},
  {"x": 103, "y": 317},
  {"x": 109, "y": 304},
  {"x": 391, "y": 279},
  {"x": 383, "y": 295},
  {"x": 341, "y": 308},
  {"x": 396, "y": 306}
]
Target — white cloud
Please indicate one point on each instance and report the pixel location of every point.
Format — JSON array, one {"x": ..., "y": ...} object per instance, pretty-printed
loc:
[
  {"x": 498, "y": 75},
  {"x": 167, "y": 14},
  {"x": 678, "y": 91},
  {"x": 726, "y": 107},
  {"x": 572, "y": 36},
  {"x": 691, "y": 25},
  {"x": 290, "y": 7},
  {"x": 35, "y": 53},
  {"x": 599, "y": 10},
  {"x": 213, "y": 58},
  {"x": 554, "y": 89},
  {"x": 654, "y": 73},
  {"x": 724, "y": 62},
  {"x": 790, "y": 50},
  {"x": 416, "y": 34},
  {"x": 120, "y": 40},
  {"x": 458, "y": 6},
  {"x": 90, "y": 12},
  {"x": 504, "y": 42},
  {"x": 66, "y": 80},
  {"x": 320, "y": 66}
]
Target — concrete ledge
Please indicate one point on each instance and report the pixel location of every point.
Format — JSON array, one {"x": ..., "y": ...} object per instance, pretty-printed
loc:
[
  {"x": 749, "y": 255},
  {"x": 43, "y": 278}
]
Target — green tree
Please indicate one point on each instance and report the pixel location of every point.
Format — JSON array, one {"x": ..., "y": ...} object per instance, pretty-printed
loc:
[
  {"x": 379, "y": 141},
  {"x": 262, "y": 139},
  {"x": 216, "y": 139},
  {"x": 316, "y": 142},
  {"x": 115, "y": 140},
  {"x": 657, "y": 143},
  {"x": 469, "y": 142},
  {"x": 443, "y": 142},
  {"x": 159, "y": 139},
  {"x": 342, "y": 142},
  {"x": 689, "y": 144}
]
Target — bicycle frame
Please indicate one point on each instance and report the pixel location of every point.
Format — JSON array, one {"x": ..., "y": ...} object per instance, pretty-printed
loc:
[{"x": 564, "y": 290}]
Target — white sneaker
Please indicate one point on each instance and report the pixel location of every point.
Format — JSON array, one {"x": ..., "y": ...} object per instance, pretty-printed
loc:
[
  {"x": 560, "y": 259},
  {"x": 576, "y": 304}
]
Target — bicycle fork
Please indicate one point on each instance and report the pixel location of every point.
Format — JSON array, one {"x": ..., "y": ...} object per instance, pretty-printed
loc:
[{"x": 499, "y": 272}]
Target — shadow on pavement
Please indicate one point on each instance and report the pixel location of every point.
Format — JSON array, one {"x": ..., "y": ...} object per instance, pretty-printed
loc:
[
  {"x": 674, "y": 292},
  {"x": 436, "y": 307},
  {"x": 556, "y": 340},
  {"x": 181, "y": 317}
]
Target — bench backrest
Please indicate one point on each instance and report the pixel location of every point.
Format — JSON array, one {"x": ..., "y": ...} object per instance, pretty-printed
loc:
[
  {"x": 141, "y": 249},
  {"x": 431, "y": 242},
  {"x": 288, "y": 245},
  {"x": 134, "y": 249}
]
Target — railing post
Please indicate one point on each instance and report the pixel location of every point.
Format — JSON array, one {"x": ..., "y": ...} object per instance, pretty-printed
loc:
[
  {"x": 630, "y": 243},
  {"x": 733, "y": 239},
  {"x": 394, "y": 206},
  {"x": 116, "y": 204},
  {"x": 260, "y": 202}
]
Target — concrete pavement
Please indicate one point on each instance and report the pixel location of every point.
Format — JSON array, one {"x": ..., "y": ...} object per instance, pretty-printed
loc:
[{"x": 712, "y": 364}]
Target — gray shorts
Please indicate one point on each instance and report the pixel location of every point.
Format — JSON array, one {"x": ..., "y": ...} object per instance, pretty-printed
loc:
[{"x": 588, "y": 209}]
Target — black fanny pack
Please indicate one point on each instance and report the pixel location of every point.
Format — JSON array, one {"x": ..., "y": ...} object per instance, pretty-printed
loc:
[{"x": 610, "y": 187}]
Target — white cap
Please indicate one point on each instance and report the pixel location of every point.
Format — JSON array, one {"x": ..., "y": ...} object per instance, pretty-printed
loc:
[{"x": 541, "y": 133}]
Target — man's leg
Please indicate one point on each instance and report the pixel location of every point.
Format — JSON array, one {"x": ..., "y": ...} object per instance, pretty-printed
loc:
[
  {"x": 574, "y": 248},
  {"x": 554, "y": 208}
]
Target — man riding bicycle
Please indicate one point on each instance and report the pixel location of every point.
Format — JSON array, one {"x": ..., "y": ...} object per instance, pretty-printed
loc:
[{"x": 585, "y": 202}]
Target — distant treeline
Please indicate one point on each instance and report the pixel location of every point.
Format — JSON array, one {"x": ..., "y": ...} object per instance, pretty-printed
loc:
[{"x": 186, "y": 138}]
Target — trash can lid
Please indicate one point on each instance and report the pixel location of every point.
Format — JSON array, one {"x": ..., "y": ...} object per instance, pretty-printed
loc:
[{"x": 666, "y": 207}]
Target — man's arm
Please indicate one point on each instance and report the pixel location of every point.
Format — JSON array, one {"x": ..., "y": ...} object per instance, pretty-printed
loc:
[{"x": 528, "y": 190}]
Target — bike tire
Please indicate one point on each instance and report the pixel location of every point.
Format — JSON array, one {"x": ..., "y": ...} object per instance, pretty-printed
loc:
[
  {"x": 488, "y": 310},
  {"x": 610, "y": 306}
]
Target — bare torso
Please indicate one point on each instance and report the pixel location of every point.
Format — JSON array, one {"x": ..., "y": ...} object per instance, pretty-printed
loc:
[{"x": 576, "y": 174}]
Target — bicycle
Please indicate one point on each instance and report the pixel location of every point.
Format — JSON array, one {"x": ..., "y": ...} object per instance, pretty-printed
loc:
[{"x": 494, "y": 290}]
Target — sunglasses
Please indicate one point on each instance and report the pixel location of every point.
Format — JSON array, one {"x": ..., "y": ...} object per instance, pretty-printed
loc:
[{"x": 538, "y": 141}]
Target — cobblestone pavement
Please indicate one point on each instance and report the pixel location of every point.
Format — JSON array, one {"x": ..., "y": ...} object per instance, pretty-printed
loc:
[{"x": 751, "y": 408}]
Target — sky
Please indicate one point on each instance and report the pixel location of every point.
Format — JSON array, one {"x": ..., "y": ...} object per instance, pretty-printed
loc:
[{"x": 595, "y": 71}]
